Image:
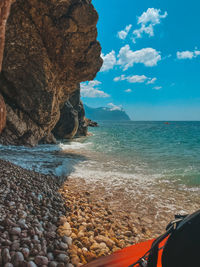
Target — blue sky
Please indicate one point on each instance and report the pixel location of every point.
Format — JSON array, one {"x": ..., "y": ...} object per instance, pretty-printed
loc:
[{"x": 151, "y": 52}]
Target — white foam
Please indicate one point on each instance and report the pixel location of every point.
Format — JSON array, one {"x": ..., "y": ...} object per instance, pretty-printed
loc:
[
  {"x": 65, "y": 169},
  {"x": 88, "y": 172},
  {"x": 73, "y": 146}
]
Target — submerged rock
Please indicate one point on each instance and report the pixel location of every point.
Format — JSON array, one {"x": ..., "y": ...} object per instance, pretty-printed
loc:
[{"x": 50, "y": 48}]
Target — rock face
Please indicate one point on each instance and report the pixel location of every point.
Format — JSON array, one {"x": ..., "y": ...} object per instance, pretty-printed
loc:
[
  {"x": 72, "y": 118},
  {"x": 67, "y": 125},
  {"x": 4, "y": 12},
  {"x": 50, "y": 48},
  {"x": 2, "y": 114}
]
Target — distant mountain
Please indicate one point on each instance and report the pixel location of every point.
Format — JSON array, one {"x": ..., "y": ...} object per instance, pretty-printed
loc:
[{"x": 106, "y": 114}]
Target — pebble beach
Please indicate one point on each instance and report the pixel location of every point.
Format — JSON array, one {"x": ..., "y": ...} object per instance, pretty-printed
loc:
[
  {"x": 46, "y": 221},
  {"x": 49, "y": 221}
]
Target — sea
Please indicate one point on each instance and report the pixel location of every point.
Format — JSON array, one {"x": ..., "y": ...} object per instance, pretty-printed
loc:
[{"x": 121, "y": 153}]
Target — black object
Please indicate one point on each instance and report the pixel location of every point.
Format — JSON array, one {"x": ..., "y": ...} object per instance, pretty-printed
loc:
[{"x": 182, "y": 248}]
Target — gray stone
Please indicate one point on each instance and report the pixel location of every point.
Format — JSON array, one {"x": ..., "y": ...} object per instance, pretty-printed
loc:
[{"x": 41, "y": 260}]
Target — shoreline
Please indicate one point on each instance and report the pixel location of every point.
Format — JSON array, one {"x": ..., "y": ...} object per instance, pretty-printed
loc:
[
  {"x": 49, "y": 221},
  {"x": 103, "y": 222}
]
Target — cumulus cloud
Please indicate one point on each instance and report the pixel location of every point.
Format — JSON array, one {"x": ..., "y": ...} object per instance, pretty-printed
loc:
[
  {"x": 157, "y": 87},
  {"x": 131, "y": 79},
  {"x": 109, "y": 61},
  {"x": 128, "y": 91},
  {"x": 114, "y": 107},
  {"x": 151, "y": 81},
  {"x": 135, "y": 79},
  {"x": 91, "y": 90},
  {"x": 147, "y": 56},
  {"x": 147, "y": 22},
  {"x": 188, "y": 54},
  {"x": 123, "y": 34}
]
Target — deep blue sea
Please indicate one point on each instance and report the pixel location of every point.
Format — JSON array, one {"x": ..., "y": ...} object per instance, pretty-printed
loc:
[{"x": 121, "y": 151}]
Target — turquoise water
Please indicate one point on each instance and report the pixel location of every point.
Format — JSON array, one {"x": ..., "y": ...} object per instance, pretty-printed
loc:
[
  {"x": 121, "y": 151},
  {"x": 168, "y": 151}
]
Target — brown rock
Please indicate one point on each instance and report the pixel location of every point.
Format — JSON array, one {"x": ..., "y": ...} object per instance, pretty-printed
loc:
[
  {"x": 59, "y": 38},
  {"x": 75, "y": 260},
  {"x": 109, "y": 242},
  {"x": 4, "y": 13},
  {"x": 89, "y": 256},
  {"x": 2, "y": 114},
  {"x": 85, "y": 241},
  {"x": 128, "y": 233},
  {"x": 65, "y": 229}
]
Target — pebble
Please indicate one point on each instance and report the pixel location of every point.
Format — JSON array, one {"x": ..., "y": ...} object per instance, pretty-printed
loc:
[
  {"x": 31, "y": 208},
  {"x": 17, "y": 258},
  {"x": 53, "y": 264},
  {"x": 67, "y": 239},
  {"x": 31, "y": 264},
  {"x": 8, "y": 265},
  {"x": 41, "y": 260},
  {"x": 6, "y": 255},
  {"x": 25, "y": 252},
  {"x": 62, "y": 258}
]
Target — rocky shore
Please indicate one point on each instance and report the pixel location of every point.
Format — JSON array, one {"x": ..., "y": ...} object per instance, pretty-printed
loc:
[
  {"x": 45, "y": 222},
  {"x": 104, "y": 219},
  {"x": 96, "y": 229},
  {"x": 48, "y": 221},
  {"x": 31, "y": 210}
]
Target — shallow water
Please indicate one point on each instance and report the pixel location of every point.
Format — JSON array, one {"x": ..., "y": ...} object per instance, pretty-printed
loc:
[{"x": 121, "y": 153}]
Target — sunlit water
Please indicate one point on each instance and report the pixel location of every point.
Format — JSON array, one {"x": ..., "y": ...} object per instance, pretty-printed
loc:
[{"x": 121, "y": 151}]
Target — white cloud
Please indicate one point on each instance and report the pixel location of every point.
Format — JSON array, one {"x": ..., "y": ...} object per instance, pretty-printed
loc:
[
  {"x": 109, "y": 61},
  {"x": 91, "y": 89},
  {"x": 147, "y": 21},
  {"x": 147, "y": 56},
  {"x": 123, "y": 34},
  {"x": 114, "y": 107},
  {"x": 131, "y": 79},
  {"x": 152, "y": 16},
  {"x": 187, "y": 54},
  {"x": 157, "y": 87},
  {"x": 135, "y": 79},
  {"x": 151, "y": 81},
  {"x": 128, "y": 91}
]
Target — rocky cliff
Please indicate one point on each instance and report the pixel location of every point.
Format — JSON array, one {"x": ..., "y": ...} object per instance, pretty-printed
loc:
[
  {"x": 4, "y": 12},
  {"x": 50, "y": 47}
]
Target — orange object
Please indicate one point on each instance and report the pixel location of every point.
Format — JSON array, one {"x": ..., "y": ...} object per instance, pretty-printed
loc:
[{"x": 127, "y": 256}]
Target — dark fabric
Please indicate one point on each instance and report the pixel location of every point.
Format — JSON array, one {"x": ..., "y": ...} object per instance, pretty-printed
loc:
[{"x": 183, "y": 246}]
